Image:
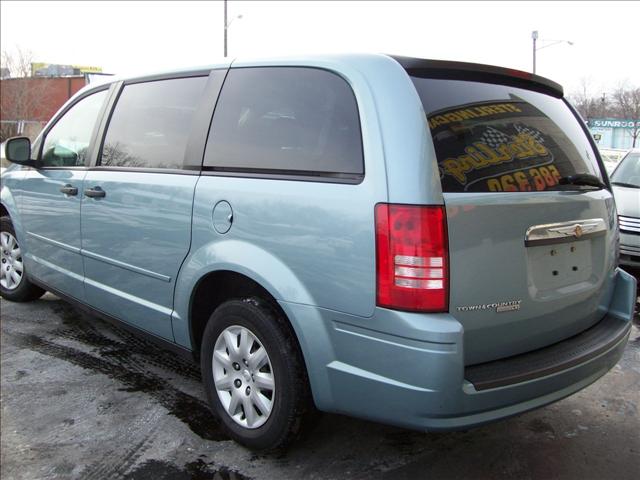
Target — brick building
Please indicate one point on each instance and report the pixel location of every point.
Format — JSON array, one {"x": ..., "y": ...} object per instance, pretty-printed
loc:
[{"x": 26, "y": 104}]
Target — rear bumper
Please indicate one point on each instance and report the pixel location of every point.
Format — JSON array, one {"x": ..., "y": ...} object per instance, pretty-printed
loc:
[
  {"x": 416, "y": 378},
  {"x": 577, "y": 350}
]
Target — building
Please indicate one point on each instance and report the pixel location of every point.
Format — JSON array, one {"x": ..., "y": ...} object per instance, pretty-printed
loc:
[
  {"x": 27, "y": 104},
  {"x": 615, "y": 132},
  {"x": 57, "y": 70}
]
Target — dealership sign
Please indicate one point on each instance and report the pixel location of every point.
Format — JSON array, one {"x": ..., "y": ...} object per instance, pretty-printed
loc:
[{"x": 613, "y": 123}]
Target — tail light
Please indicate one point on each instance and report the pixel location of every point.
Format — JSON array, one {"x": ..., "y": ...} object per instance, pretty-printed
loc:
[
  {"x": 412, "y": 258},
  {"x": 519, "y": 74}
]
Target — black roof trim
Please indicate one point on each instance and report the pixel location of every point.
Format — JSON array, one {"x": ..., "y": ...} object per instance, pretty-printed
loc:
[
  {"x": 419, "y": 67},
  {"x": 202, "y": 72}
]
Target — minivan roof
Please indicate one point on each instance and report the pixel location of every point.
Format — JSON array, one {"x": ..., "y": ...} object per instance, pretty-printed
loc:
[{"x": 418, "y": 67}]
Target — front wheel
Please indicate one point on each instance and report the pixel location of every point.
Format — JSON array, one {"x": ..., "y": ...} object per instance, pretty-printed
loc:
[
  {"x": 254, "y": 375},
  {"x": 14, "y": 284}
]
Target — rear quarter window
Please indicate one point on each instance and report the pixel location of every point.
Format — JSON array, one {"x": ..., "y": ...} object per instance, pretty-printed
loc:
[
  {"x": 498, "y": 138},
  {"x": 291, "y": 120}
]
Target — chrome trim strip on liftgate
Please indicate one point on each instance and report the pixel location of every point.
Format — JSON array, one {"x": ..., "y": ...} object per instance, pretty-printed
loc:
[{"x": 564, "y": 232}]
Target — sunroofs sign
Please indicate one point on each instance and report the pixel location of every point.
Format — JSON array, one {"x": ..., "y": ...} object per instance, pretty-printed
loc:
[
  {"x": 615, "y": 132},
  {"x": 614, "y": 123}
]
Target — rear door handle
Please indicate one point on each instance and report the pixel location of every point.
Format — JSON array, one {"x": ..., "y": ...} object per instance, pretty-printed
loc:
[
  {"x": 95, "y": 192},
  {"x": 69, "y": 190}
]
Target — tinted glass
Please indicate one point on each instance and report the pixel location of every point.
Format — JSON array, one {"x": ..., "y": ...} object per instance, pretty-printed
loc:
[
  {"x": 498, "y": 138},
  {"x": 66, "y": 144},
  {"x": 150, "y": 125},
  {"x": 286, "y": 119},
  {"x": 628, "y": 172}
]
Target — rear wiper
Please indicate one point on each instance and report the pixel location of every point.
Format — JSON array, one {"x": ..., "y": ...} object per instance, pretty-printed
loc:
[
  {"x": 622, "y": 184},
  {"x": 582, "y": 179}
]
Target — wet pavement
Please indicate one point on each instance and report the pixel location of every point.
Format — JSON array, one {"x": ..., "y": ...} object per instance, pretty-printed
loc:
[{"x": 83, "y": 399}]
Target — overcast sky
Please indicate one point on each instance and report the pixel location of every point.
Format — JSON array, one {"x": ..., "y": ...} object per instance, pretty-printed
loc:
[{"x": 133, "y": 37}]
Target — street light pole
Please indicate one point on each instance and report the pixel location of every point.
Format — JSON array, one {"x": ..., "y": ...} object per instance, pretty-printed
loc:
[
  {"x": 550, "y": 43},
  {"x": 534, "y": 37},
  {"x": 226, "y": 26}
]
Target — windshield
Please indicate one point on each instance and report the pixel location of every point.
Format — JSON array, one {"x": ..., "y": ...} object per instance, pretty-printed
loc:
[
  {"x": 498, "y": 138},
  {"x": 628, "y": 172}
]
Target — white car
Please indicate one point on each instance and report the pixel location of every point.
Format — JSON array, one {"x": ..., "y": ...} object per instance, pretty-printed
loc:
[
  {"x": 2, "y": 159},
  {"x": 612, "y": 157},
  {"x": 625, "y": 180}
]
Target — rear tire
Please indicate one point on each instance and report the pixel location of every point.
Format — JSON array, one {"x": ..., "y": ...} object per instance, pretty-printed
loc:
[
  {"x": 12, "y": 265},
  {"x": 285, "y": 407}
]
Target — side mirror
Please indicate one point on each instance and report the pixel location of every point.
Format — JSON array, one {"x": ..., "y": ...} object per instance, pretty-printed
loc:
[{"x": 18, "y": 150}]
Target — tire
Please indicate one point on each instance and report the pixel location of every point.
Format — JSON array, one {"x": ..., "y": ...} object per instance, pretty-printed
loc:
[
  {"x": 10, "y": 255},
  {"x": 291, "y": 407}
]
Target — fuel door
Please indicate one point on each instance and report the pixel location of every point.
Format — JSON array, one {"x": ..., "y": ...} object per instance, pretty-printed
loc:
[{"x": 222, "y": 217}]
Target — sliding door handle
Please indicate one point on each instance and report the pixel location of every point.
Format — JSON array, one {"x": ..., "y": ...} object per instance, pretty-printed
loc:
[
  {"x": 95, "y": 192},
  {"x": 69, "y": 190}
]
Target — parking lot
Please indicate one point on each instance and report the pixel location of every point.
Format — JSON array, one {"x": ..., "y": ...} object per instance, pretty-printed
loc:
[{"x": 84, "y": 399}]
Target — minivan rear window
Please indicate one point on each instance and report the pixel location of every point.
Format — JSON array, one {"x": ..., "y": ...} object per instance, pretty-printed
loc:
[{"x": 499, "y": 138}]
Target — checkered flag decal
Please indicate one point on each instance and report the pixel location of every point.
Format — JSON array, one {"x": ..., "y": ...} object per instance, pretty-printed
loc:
[
  {"x": 494, "y": 138},
  {"x": 529, "y": 131}
]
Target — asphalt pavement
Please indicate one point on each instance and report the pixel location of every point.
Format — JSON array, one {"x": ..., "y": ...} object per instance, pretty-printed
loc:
[{"x": 83, "y": 399}]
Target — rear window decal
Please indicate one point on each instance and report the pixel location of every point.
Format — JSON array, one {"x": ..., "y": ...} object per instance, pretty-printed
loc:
[
  {"x": 496, "y": 138},
  {"x": 496, "y": 147}
]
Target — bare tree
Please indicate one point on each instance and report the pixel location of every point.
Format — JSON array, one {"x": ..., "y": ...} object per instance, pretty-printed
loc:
[
  {"x": 627, "y": 102},
  {"x": 18, "y": 63},
  {"x": 589, "y": 105},
  {"x": 21, "y": 97},
  {"x": 115, "y": 154}
]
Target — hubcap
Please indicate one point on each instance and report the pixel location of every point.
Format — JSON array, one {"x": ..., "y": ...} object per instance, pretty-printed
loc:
[
  {"x": 247, "y": 394},
  {"x": 11, "y": 268}
]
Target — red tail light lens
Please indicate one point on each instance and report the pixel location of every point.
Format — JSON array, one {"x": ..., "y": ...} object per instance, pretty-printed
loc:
[{"x": 412, "y": 258}]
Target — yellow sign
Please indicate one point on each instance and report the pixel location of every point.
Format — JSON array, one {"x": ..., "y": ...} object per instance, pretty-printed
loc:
[
  {"x": 85, "y": 69},
  {"x": 81, "y": 68}
]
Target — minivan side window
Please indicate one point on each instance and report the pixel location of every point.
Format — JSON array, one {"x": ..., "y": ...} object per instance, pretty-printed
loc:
[
  {"x": 66, "y": 144},
  {"x": 150, "y": 124},
  {"x": 289, "y": 120}
]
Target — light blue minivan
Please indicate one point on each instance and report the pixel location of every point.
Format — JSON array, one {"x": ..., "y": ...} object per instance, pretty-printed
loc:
[{"x": 422, "y": 243}]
